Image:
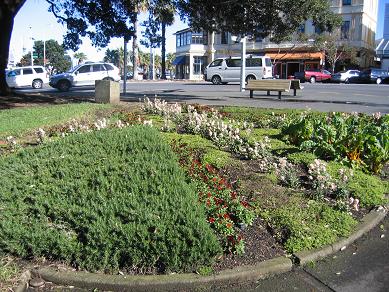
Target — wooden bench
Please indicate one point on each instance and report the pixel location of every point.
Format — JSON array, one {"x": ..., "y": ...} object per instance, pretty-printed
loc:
[{"x": 280, "y": 85}]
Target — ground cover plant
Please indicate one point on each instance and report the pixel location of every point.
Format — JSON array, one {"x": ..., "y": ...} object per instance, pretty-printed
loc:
[{"x": 243, "y": 171}]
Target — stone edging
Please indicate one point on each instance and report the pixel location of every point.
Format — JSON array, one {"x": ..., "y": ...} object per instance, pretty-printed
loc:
[{"x": 179, "y": 282}]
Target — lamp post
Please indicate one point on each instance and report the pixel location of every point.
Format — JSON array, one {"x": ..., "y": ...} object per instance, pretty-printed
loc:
[
  {"x": 32, "y": 47},
  {"x": 243, "y": 66}
]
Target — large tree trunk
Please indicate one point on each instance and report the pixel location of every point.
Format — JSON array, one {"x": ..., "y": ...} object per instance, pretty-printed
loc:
[
  {"x": 163, "y": 51},
  {"x": 8, "y": 11}
]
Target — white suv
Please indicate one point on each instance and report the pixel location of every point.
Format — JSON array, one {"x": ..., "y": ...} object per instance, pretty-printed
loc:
[
  {"x": 34, "y": 76},
  {"x": 85, "y": 75}
]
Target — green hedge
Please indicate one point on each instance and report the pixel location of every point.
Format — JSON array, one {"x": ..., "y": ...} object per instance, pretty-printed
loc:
[{"x": 103, "y": 200}]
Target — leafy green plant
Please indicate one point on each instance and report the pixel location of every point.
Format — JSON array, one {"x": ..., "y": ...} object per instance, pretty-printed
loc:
[{"x": 109, "y": 199}]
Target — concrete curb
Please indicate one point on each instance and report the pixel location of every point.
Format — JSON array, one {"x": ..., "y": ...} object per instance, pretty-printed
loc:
[
  {"x": 368, "y": 222},
  {"x": 175, "y": 282}
]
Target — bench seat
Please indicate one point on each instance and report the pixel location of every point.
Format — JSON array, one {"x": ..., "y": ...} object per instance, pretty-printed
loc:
[{"x": 279, "y": 85}]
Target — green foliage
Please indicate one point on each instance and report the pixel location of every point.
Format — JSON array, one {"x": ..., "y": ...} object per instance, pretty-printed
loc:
[
  {"x": 211, "y": 154},
  {"x": 306, "y": 225},
  {"x": 15, "y": 122},
  {"x": 356, "y": 139},
  {"x": 369, "y": 189},
  {"x": 205, "y": 271},
  {"x": 104, "y": 200},
  {"x": 301, "y": 157}
]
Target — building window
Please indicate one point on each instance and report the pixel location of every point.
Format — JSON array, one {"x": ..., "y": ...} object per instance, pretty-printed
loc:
[
  {"x": 198, "y": 65},
  {"x": 205, "y": 38},
  {"x": 345, "y": 30},
  {"x": 346, "y": 2},
  {"x": 224, "y": 38},
  {"x": 188, "y": 38},
  {"x": 318, "y": 30},
  {"x": 197, "y": 38}
]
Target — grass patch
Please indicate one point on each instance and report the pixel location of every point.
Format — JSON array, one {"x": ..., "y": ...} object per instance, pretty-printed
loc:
[
  {"x": 104, "y": 200},
  {"x": 301, "y": 225},
  {"x": 15, "y": 122},
  {"x": 8, "y": 270},
  {"x": 304, "y": 158}
]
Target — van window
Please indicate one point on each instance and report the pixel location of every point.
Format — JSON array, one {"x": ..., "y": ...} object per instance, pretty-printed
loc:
[
  {"x": 27, "y": 71},
  {"x": 98, "y": 68},
  {"x": 38, "y": 70},
  {"x": 233, "y": 62},
  {"x": 108, "y": 67},
  {"x": 254, "y": 62},
  {"x": 268, "y": 62},
  {"x": 216, "y": 63}
]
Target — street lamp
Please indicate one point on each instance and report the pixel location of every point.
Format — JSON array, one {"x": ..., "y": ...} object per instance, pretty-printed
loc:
[{"x": 32, "y": 47}]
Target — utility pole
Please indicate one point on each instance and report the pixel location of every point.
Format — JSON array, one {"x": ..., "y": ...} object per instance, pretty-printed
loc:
[
  {"x": 32, "y": 47},
  {"x": 243, "y": 65},
  {"x": 125, "y": 66}
]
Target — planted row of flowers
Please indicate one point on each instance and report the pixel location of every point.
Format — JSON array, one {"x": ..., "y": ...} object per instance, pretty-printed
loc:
[{"x": 227, "y": 211}]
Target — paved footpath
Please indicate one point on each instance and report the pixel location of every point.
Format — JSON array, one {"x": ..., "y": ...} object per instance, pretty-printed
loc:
[{"x": 361, "y": 267}]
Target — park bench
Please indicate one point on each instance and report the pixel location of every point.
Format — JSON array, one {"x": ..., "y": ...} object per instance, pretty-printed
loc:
[{"x": 280, "y": 85}]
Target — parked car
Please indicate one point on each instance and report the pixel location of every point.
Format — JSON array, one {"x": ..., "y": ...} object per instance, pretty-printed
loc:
[
  {"x": 224, "y": 70},
  {"x": 344, "y": 76},
  {"x": 371, "y": 75},
  {"x": 130, "y": 75},
  {"x": 85, "y": 75},
  {"x": 34, "y": 76},
  {"x": 313, "y": 75}
]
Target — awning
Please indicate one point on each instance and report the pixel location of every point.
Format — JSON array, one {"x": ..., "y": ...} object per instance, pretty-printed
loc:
[
  {"x": 180, "y": 60},
  {"x": 296, "y": 56}
]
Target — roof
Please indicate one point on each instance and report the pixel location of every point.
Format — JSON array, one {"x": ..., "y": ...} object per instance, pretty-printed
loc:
[
  {"x": 296, "y": 55},
  {"x": 183, "y": 30}
]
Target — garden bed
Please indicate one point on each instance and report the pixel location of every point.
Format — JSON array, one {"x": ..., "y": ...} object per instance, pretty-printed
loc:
[{"x": 263, "y": 188}]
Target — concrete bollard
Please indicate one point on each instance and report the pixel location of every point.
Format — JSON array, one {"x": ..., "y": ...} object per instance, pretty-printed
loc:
[{"x": 107, "y": 91}]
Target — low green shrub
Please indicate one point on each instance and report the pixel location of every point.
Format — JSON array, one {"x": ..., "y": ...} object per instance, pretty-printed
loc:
[
  {"x": 304, "y": 158},
  {"x": 303, "y": 225},
  {"x": 104, "y": 200}
]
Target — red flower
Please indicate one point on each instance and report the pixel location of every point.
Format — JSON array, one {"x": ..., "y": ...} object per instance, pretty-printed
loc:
[
  {"x": 211, "y": 220},
  {"x": 244, "y": 204},
  {"x": 214, "y": 179},
  {"x": 226, "y": 216},
  {"x": 233, "y": 195},
  {"x": 208, "y": 202},
  {"x": 209, "y": 195}
]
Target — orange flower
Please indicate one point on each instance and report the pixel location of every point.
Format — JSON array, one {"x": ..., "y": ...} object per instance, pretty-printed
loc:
[{"x": 228, "y": 225}]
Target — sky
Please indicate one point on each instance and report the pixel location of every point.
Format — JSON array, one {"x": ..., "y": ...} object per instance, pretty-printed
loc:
[{"x": 34, "y": 21}]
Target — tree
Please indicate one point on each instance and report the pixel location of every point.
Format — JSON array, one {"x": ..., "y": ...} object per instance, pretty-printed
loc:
[
  {"x": 169, "y": 61},
  {"x": 115, "y": 57},
  {"x": 57, "y": 60},
  {"x": 259, "y": 18},
  {"x": 334, "y": 48},
  {"x": 8, "y": 10}
]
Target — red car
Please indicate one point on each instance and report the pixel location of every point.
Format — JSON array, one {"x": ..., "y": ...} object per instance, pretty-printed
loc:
[{"x": 313, "y": 75}]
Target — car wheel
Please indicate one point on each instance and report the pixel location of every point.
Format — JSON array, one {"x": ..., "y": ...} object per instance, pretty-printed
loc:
[
  {"x": 312, "y": 79},
  {"x": 347, "y": 81},
  {"x": 216, "y": 80},
  {"x": 37, "y": 84},
  {"x": 379, "y": 81},
  {"x": 250, "y": 77},
  {"x": 108, "y": 78},
  {"x": 64, "y": 85}
]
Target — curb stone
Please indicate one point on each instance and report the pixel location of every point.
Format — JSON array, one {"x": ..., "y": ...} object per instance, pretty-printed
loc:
[
  {"x": 193, "y": 282},
  {"x": 175, "y": 282},
  {"x": 368, "y": 222}
]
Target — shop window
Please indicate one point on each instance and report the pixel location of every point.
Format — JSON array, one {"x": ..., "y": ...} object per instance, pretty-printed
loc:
[
  {"x": 346, "y": 2},
  {"x": 198, "y": 65}
]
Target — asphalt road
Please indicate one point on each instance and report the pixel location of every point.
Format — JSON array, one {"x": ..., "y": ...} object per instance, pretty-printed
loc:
[{"x": 366, "y": 98}]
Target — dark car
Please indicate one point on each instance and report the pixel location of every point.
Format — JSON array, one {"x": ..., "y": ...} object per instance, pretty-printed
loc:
[{"x": 372, "y": 75}]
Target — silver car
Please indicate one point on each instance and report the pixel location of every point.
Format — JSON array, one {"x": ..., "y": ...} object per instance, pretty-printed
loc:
[
  {"x": 344, "y": 76},
  {"x": 85, "y": 75}
]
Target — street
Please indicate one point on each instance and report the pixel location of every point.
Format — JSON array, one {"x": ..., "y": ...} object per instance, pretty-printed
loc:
[{"x": 367, "y": 98}]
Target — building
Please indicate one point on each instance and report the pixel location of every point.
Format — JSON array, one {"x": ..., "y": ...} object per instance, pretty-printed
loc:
[
  {"x": 194, "y": 50},
  {"x": 382, "y": 50}
]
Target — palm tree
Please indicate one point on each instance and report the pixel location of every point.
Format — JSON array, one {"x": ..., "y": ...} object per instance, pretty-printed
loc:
[
  {"x": 141, "y": 6},
  {"x": 80, "y": 56},
  {"x": 165, "y": 15}
]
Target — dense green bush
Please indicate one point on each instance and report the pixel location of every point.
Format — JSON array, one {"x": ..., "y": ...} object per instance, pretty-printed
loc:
[{"x": 104, "y": 200}]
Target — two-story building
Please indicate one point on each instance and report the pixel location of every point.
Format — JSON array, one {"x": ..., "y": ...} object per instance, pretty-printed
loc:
[{"x": 194, "y": 50}]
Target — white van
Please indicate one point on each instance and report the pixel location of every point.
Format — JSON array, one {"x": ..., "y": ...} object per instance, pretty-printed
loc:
[
  {"x": 34, "y": 76},
  {"x": 224, "y": 70}
]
